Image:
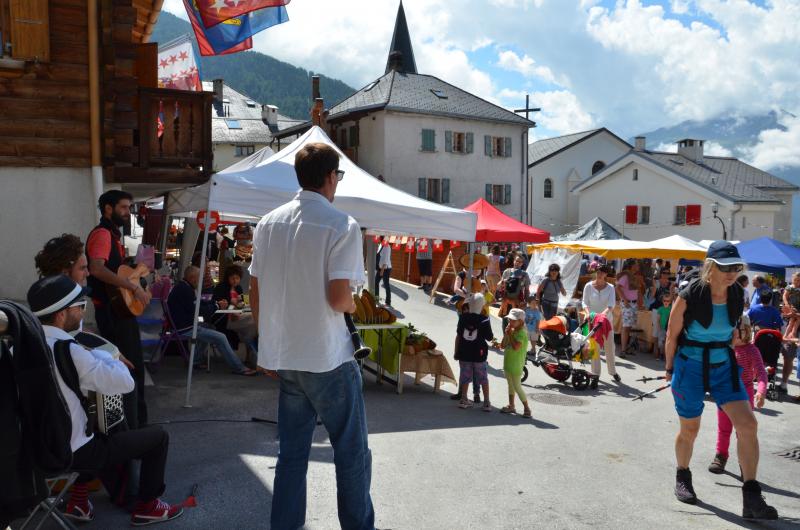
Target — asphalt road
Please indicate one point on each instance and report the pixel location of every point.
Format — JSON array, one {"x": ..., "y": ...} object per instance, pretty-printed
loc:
[{"x": 591, "y": 459}]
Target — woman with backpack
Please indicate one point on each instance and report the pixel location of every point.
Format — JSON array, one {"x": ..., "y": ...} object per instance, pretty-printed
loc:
[
  {"x": 699, "y": 359},
  {"x": 549, "y": 290},
  {"x": 514, "y": 284}
]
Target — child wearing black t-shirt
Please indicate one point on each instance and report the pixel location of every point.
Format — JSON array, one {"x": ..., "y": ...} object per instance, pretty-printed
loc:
[{"x": 473, "y": 334}]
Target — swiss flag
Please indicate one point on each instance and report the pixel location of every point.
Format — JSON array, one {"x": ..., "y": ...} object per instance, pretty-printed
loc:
[
  {"x": 454, "y": 243},
  {"x": 214, "y": 12},
  {"x": 423, "y": 245},
  {"x": 438, "y": 246},
  {"x": 396, "y": 245},
  {"x": 376, "y": 239},
  {"x": 410, "y": 245}
]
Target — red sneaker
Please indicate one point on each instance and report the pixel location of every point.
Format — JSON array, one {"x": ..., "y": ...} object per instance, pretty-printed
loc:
[
  {"x": 79, "y": 513},
  {"x": 155, "y": 511}
]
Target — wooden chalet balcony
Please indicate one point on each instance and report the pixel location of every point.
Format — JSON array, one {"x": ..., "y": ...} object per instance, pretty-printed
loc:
[{"x": 174, "y": 149}]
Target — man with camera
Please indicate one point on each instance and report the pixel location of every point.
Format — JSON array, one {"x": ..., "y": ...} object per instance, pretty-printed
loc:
[{"x": 302, "y": 251}]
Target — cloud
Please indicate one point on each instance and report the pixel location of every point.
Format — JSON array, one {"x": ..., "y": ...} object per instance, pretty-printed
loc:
[
  {"x": 561, "y": 112},
  {"x": 777, "y": 148},
  {"x": 680, "y": 7},
  {"x": 526, "y": 66},
  {"x": 524, "y": 4}
]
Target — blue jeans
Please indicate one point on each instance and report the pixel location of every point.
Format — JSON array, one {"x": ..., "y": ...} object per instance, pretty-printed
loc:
[
  {"x": 385, "y": 275},
  {"x": 335, "y": 397},
  {"x": 207, "y": 336}
]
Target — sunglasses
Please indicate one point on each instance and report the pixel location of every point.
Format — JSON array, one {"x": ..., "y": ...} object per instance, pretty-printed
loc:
[
  {"x": 81, "y": 304},
  {"x": 738, "y": 267},
  {"x": 339, "y": 174}
]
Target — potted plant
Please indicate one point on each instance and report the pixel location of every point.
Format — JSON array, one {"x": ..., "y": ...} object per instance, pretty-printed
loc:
[{"x": 417, "y": 340}]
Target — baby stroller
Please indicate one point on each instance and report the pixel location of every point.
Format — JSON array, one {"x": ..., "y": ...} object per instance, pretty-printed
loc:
[
  {"x": 559, "y": 350},
  {"x": 769, "y": 342}
]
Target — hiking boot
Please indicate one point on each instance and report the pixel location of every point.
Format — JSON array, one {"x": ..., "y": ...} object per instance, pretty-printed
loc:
[
  {"x": 718, "y": 465},
  {"x": 155, "y": 511},
  {"x": 617, "y": 378},
  {"x": 753, "y": 504},
  {"x": 684, "y": 491}
]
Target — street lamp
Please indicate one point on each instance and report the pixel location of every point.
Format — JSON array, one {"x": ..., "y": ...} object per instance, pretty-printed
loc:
[{"x": 714, "y": 210}]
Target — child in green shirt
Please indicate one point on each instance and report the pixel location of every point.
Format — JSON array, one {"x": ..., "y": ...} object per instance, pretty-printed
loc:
[
  {"x": 515, "y": 348},
  {"x": 663, "y": 320}
]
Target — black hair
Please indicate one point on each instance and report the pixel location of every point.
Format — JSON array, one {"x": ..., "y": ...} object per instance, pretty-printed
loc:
[
  {"x": 112, "y": 198},
  {"x": 765, "y": 298},
  {"x": 742, "y": 279}
]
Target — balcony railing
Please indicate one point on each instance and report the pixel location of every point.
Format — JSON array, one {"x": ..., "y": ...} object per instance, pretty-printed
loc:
[{"x": 172, "y": 137}]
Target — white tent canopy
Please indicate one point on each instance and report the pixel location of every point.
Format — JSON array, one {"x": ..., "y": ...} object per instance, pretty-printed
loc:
[{"x": 378, "y": 207}]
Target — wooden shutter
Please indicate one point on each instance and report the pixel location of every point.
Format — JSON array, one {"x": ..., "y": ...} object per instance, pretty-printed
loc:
[
  {"x": 487, "y": 145},
  {"x": 470, "y": 142},
  {"x": 354, "y": 136},
  {"x": 631, "y": 214},
  {"x": 507, "y": 194},
  {"x": 423, "y": 188},
  {"x": 507, "y": 147},
  {"x": 30, "y": 30},
  {"x": 693, "y": 214},
  {"x": 147, "y": 64},
  {"x": 488, "y": 193},
  {"x": 445, "y": 191}
]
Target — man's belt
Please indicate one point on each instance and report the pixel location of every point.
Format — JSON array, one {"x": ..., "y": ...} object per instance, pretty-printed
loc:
[{"x": 707, "y": 346}]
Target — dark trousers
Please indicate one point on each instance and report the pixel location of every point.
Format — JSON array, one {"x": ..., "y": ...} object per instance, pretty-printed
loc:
[
  {"x": 387, "y": 273},
  {"x": 104, "y": 453},
  {"x": 124, "y": 334}
]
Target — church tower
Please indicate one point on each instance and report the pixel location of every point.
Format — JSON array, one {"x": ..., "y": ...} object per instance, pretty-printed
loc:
[{"x": 401, "y": 54}]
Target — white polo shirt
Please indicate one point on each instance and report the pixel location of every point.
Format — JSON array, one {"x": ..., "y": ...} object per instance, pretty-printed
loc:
[
  {"x": 297, "y": 249},
  {"x": 97, "y": 371}
]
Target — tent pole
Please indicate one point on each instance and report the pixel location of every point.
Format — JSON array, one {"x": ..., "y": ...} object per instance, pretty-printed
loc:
[
  {"x": 162, "y": 243},
  {"x": 197, "y": 295},
  {"x": 370, "y": 259},
  {"x": 471, "y": 263}
]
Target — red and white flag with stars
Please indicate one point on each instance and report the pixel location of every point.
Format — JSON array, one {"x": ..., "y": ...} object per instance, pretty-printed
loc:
[{"x": 177, "y": 67}]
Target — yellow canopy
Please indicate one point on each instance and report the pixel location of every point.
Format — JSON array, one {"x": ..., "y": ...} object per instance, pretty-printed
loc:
[{"x": 673, "y": 247}]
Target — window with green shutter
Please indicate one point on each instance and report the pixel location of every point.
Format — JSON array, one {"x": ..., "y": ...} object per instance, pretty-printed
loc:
[
  {"x": 507, "y": 193},
  {"x": 353, "y": 136},
  {"x": 428, "y": 140},
  {"x": 507, "y": 147},
  {"x": 423, "y": 188},
  {"x": 448, "y": 141},
  {"x": 487, "y": 145},
  {"x": 470, "y": 141},
  {"x": 488, "y": 194},
  {"x": 445, "y": 191}
]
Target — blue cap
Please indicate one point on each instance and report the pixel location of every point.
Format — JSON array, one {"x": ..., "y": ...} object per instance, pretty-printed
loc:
[{"x": 724, "y": 253}]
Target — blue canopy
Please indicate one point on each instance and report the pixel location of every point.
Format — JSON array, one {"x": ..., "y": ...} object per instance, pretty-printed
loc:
[{"x": 767, "y": 254}]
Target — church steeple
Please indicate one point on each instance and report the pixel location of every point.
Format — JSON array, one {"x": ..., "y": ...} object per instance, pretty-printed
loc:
[{"x": 401, "y": 54}]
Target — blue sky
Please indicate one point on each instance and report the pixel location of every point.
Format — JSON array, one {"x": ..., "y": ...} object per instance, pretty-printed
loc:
[{"x": 629, "y": 65}]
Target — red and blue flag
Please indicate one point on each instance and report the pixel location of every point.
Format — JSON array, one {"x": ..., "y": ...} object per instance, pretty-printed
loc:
[
  {"x": 234, "y": 34},
  {"x": 214, "y": 12}
]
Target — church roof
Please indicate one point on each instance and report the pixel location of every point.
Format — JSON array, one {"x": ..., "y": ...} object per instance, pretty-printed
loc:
[
  {"x": 401, "y": 43},
  {"x": 544, "y": 149}
]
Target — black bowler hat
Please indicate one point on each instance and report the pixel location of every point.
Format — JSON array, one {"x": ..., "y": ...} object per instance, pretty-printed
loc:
[
  {"x": 724, "y": 253},
  {"x": 54, "y": 293}
]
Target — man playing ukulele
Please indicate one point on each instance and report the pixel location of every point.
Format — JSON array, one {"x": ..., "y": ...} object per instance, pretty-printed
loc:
[{"x": 105, "y": 253}]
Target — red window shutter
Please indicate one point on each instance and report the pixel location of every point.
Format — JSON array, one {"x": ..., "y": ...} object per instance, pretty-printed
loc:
[
  {"x": 631, "y": 214},
  {"x": 693, "y": 214}
]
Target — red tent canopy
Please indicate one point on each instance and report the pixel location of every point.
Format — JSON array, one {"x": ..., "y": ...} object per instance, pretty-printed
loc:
[{"x": 495, "y": 226}]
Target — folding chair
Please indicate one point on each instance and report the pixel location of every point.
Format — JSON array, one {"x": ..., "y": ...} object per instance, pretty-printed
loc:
[
  {"x": 169, "y": 335},
  {"x": 151, "y": 326},
  {"x": 50, "y": 504}
]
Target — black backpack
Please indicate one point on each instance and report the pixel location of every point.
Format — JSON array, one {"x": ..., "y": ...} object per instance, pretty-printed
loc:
[{"x": 512, "y": 284}]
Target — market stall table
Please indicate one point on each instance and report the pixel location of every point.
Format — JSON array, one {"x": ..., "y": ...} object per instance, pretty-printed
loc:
[
  {"x": 387, "y": 342},
  {"x": 644, "y": 323},
  {"x": 430, "y": 362}
]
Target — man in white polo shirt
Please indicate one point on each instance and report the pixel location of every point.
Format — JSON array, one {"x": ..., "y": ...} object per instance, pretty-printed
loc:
[{"x": 306, "y": 256}]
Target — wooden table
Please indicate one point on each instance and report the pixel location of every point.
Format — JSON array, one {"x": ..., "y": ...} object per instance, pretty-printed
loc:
[{"x": 424, "y": 363}]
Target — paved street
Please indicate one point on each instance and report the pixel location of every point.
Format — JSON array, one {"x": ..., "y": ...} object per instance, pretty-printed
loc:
[{"x": 590, "y": 459}]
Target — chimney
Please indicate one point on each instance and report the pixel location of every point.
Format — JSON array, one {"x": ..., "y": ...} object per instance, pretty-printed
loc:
[
  {"x": 217, "y": 89},
  {"x": 318, "y": 113},
  {"x": 269, "y": 113},
  {"x": 691, "y": 149},
  {"x": 640, "y": 143},
  {"x": 315, "y": 88},
  {"x": 395, "y": 61}
]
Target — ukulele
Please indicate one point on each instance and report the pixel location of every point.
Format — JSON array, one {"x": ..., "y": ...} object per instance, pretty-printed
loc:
[{"x": 125, "y": 304}]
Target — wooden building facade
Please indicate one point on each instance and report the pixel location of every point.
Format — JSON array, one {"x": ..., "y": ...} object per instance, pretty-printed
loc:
[{"x": 79, "y": 107}]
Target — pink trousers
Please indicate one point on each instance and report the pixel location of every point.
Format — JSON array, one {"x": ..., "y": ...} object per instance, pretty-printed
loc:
[{"x": 725, "y": 427}]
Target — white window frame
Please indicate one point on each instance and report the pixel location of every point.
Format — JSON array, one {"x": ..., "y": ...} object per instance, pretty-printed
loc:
[{"x": 641, "y": 218}]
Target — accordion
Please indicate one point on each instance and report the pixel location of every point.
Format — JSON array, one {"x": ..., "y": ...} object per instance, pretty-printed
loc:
[{"x": 109, "y": 412}]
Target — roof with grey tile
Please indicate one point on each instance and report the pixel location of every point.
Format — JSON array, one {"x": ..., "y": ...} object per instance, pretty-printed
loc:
[
  {"x": 727, "y": 177},
  {"x": 543, "y": 149},
  {"x": 416, "y": 93},
  {"x": 247, "y": 112}
]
